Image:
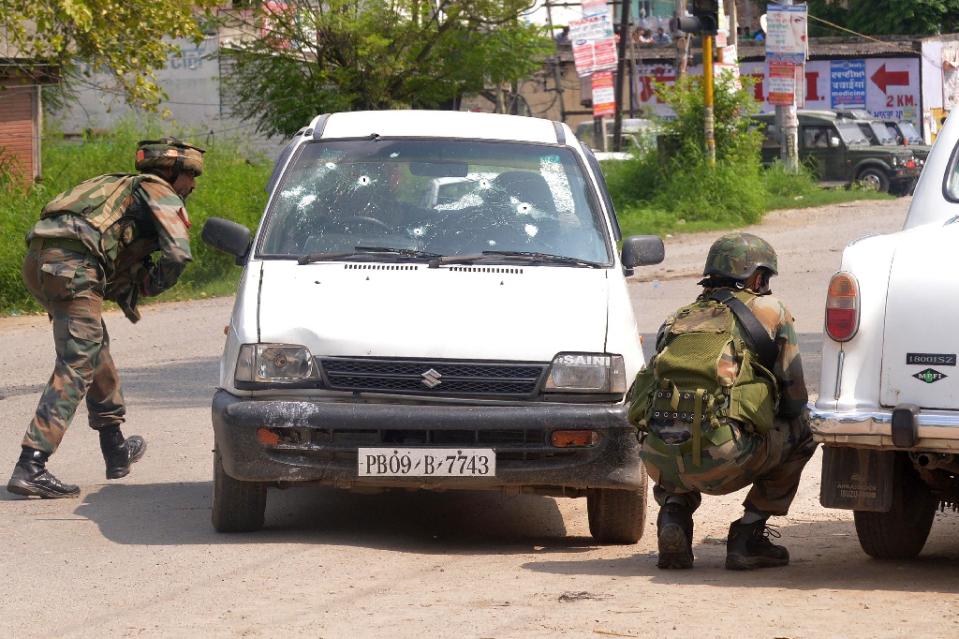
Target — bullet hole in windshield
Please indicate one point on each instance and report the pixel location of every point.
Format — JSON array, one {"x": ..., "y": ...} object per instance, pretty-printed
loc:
[
  {"x": 531, "y": 230},
  {"x": 364, "y": 180}
]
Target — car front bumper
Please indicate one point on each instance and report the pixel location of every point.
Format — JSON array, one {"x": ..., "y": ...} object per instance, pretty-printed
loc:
[
  {"x": 319, "y": 441},
  {"x": 932, "y": 430}
]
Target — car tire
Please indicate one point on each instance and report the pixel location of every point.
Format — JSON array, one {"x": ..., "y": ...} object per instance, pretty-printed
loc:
[
  {"x": 238, "y": 506},
  {"x": 873, "y": 179},
  {"x": 900, "y": 533},
  {"x": 616, "y": 516}
]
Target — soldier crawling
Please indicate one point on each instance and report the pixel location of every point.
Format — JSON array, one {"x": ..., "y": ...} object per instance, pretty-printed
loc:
[
  {"x": 94, "y": 242},
  {"x": 721, "y": 406}
]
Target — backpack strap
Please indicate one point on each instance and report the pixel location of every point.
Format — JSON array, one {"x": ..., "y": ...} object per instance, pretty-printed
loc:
[{"x": 756, "y": 334}]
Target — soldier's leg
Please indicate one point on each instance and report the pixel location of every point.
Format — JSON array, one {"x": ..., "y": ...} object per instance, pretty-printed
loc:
[
  {"x": 789, "y": 447},
  {"x": 778, "y": 467},
  {"x": 674, "y": 524},
  {"x": 106, "y": 409},
  {"x": 105, "y": 404},
  {"x": 77, "y": 336}
]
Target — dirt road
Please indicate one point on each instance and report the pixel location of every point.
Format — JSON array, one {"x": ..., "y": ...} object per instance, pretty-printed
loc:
[{"x": 138, "y": 557}]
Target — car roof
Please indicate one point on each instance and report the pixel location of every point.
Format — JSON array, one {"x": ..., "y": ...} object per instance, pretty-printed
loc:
[{"x": 442, "y": 124}]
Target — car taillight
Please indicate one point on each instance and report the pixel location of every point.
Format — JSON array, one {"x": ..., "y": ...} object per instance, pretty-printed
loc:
[
  {"x": 910, "y": 163},
  {"x": 842, "y": 307}
]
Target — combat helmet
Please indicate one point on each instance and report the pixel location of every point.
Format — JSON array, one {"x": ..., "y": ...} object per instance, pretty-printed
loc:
[
  {"x": 737, "y": 256},
  {"x": 169, "y": 153}
]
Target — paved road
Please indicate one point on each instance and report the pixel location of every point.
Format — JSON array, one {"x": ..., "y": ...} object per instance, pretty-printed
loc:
[{"x": 138, "y": 557}]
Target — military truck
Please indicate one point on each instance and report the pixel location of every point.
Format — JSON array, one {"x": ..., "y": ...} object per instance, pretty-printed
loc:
[{"x": 839, "y": 152}]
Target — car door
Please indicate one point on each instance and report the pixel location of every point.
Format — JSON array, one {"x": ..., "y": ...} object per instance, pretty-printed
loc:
[{"x": 815, "y": 151}]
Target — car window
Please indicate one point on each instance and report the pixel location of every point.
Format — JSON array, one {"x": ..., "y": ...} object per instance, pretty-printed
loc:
[
  {"x": 851, "y": 134},
  {"x": 816, "y": 137},
  {"x": 438, "y": 195},
  {"x": 883, "y": 135},
  {"x": 951, "y": 185},
  {"x": 910, "y": 132}
]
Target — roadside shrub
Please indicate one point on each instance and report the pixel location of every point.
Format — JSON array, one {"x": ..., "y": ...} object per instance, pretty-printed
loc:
[
  {"x": 232, "y": 186},
  {"x": 676, "y": 180}
]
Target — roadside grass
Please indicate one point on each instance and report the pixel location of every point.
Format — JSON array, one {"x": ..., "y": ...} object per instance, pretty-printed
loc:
[
  {"x": 232, "y": 186},
  {"x": 709, "y": 200}
]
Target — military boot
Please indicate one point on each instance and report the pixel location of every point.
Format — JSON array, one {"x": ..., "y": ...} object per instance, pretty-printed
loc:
[
  {"x": 32, "y": 479},
  {"x": 120, "y": 453},
  {"x": 674, "y": 532},
  {"x": 748, "y": 547}
]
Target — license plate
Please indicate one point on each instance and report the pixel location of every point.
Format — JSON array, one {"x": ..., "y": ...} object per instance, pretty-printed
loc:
[{"x": 426, "y": 462}]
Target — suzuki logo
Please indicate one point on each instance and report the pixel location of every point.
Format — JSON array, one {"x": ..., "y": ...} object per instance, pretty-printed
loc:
[{"x": 431, "y": 378}]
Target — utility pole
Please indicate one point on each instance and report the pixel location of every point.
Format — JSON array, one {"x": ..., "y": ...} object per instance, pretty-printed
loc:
[
  {"x": 682, "y": 41},
  {"x": 620, "y": 67},
  {"x": 788, "y": 121},
  {"x": 705, "y": 22},
  {"x": 709, "y": 126}
]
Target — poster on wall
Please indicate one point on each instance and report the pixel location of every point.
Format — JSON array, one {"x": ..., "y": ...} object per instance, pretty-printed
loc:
[
  {"x": 594, "y": 45},
  {"x": 847, "y": 84},
  {"x": 786, "y": 39},
  {"x": 782, "y": 83},
  {"x": 604, "y": 100}
]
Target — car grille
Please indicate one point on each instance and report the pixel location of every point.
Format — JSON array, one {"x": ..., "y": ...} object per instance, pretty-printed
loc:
[{"x": 442, "y": 378}]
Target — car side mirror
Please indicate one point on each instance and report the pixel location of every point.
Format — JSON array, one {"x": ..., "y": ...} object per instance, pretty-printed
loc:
[
  {"x": 642, "y": 250},
  {"x": 227, "y": 236},
  {"x": 834, "y": 141}
]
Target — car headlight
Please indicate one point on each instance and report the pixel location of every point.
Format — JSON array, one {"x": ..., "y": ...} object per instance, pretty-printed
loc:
[
  {"x": 587, "y": 373},
  {"x": 274, "y": 363}
]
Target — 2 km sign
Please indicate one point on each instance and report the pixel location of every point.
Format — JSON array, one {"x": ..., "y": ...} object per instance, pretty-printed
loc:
[{"x": 886, "y": 87}]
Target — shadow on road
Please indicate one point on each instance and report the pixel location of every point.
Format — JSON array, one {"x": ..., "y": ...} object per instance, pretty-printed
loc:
[
  {"x": 826, "y": 555},
  {"x": 179, "y": 514},
  {"x": 188, "y": 383}
]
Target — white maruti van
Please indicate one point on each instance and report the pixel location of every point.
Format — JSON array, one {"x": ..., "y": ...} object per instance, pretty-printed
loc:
[{"x": 433, "y": 300}]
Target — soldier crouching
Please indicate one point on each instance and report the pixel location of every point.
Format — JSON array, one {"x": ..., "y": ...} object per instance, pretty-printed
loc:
[
  {"x": 94, "y": 242},
  {"x": 721, "y": 406}
]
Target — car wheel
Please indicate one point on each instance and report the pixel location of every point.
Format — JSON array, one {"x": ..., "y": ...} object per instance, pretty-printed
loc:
[
  {"x": 238, "y": 506},
  {"x": 616, "y": 516},
  {"x": 900, "y": 533},
  {"x": 873, "y": 179}
]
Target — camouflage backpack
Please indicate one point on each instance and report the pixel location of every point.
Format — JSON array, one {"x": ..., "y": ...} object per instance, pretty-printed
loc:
[{"x": 681, "y": 400}]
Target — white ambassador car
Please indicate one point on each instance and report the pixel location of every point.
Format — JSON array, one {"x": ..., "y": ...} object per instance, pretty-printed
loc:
[{"x": 888, "y": 410}]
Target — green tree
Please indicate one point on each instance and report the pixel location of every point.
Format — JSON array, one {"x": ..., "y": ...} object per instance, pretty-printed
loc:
[
  {"x": 343, "y": 55},
  {"x": 886, "y": 17},
  {"x": 125, "y": 38}
]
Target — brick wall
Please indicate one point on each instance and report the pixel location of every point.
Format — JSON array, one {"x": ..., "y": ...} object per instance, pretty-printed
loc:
[{"x": 19, "y": 144}]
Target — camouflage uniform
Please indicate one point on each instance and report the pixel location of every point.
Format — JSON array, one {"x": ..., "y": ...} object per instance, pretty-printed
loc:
[
  {"x": 771, "y": 462},
  {"x": 76, "y": 259}
]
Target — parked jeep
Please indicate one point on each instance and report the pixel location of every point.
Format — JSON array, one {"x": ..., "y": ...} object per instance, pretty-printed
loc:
[
  {"x": 838, "y": 151},
  {"x": 890, "y": 132}
]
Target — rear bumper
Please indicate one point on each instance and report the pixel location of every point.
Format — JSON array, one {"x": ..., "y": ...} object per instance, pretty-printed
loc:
[
  {"x": 319, "y": 442},
  {"x": 934, "y": 431}
]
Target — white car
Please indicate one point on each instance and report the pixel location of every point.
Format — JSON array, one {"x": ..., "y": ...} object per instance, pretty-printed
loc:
[
  {"x": 888, "y": 409},
  {"x": 433, "y": 300}
]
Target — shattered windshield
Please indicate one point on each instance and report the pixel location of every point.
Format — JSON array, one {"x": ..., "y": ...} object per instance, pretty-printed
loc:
[{"x": 437, "y": 196}]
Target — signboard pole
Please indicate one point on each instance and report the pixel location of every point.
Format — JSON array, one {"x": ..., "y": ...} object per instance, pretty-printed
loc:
[{"x": 788, "y": 121}]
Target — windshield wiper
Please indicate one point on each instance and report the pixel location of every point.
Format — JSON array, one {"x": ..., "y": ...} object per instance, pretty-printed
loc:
[
  {"x": 366, "y": 251},
  {"x": 529, "y": 256}
]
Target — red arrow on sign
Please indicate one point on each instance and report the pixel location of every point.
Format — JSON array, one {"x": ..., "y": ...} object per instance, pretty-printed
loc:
[{"x": 884, "y": 79}]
